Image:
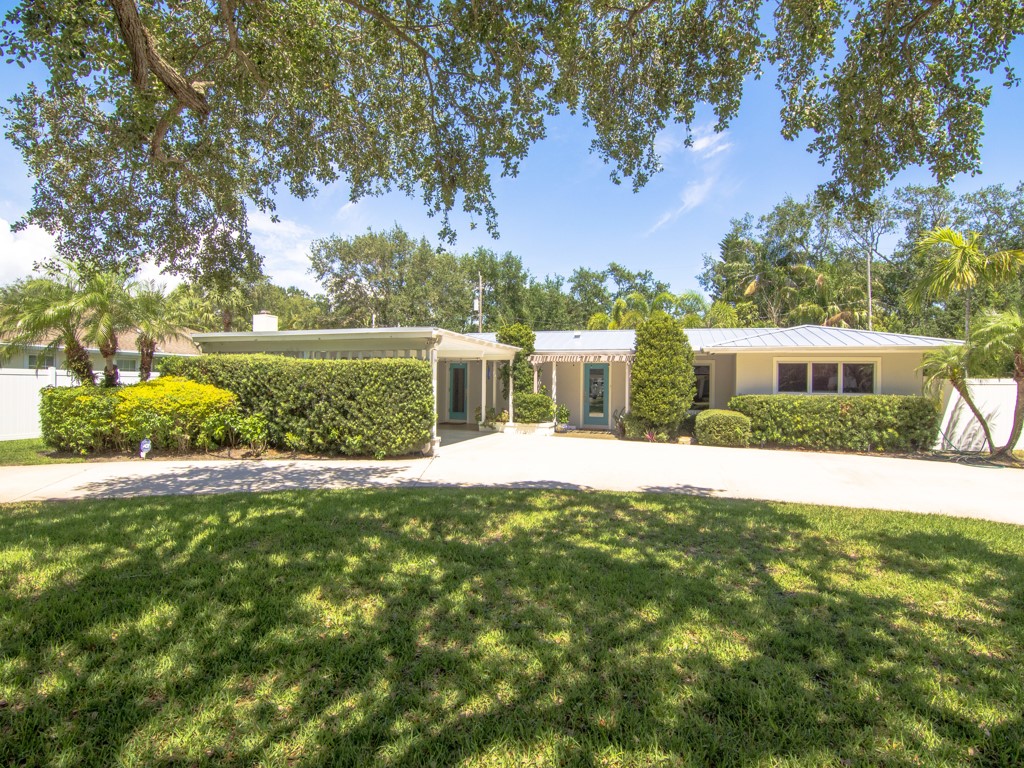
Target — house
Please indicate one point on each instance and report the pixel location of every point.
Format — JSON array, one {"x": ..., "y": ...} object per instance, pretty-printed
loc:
[
  {"x": 39, "y": 356},
  {"x": 589, "y": 371}
]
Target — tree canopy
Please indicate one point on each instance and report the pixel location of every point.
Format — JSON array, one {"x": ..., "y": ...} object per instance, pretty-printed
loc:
[{"x": 160, "y": 125}]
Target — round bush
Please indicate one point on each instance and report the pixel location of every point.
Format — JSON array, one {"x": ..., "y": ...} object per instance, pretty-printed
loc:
[
  {"x": 529, "y": 408},
  {"x": 77, "y": 419},
  {"x": 720, "y": 427},
  {"x": 170, "y": 411}
]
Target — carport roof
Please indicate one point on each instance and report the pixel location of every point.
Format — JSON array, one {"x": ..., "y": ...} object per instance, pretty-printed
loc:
[{"x": 449, "y": 343}]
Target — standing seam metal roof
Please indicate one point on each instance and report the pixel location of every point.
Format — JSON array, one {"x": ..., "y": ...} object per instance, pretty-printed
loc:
[{"x": 800, "y": 336}]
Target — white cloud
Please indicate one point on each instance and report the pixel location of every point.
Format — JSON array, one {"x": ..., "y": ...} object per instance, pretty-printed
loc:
[
  {"x": 708, "y": 145},
  {"x": 285, "y": 248},
  {"x": 693, "y": 194},
  {"x": 20, "y": 251}
]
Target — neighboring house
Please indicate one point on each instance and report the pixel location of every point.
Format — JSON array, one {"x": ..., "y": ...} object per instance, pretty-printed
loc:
[
  {"x": 30, "y": 369},
  {"x": 34, "y": 356},
  {"x": 588, "y": 371}
]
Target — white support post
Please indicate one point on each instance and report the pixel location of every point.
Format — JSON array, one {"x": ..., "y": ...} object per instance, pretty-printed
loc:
[
  {"x": 483, "y": 393},
  {"x": 494, "y": 384},
  {"x": 511, "y": 415},
  {"x": 629, "y": 378},
  {"x": 554, "y": 382},
  {"x": 536, "y": 388},
  {"x": 435, "y": 442}
]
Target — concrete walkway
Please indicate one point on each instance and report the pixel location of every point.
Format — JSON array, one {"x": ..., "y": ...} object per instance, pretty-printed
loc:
[{"x": 515, "y": 461}]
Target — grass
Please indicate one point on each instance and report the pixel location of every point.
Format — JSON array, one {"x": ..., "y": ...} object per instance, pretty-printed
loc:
[
  {"x": 500, "y": 628},
  {"x": 31, "y": 451}
]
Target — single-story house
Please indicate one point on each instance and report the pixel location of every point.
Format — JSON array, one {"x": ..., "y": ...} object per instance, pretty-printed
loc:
[
  {"x": 589, "y": 371},
  {"x": 42, "y": 356}
]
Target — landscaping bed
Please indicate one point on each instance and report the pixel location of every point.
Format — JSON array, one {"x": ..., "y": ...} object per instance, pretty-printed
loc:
[{"x": 496, "y": 628}]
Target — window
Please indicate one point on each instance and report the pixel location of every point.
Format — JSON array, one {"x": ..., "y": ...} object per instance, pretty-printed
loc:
[
  {"x": 127, "y": 364},
  {"x": 702, "y": 375},
  {"x": 33, "y": 361},
  {"x": 792, "y": 377},
  {"x": 826, "y": 378}
]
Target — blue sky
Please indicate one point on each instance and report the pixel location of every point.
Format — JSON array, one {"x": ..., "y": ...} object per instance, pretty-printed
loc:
[{"x": 562, "y": 211}]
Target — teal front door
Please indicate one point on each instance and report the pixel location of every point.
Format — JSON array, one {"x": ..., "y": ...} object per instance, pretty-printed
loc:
[
  {"x": 595, "y": 394},
  {"x": 457, "y": 392}
]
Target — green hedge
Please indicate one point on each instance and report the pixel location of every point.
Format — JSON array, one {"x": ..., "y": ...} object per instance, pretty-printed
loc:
[
  {"x": 78, "y": 419},
  {"x": 841, "y": 422},
  {"x": 719, "y": 427},
  {"x": 174, "y": 413},
  {"x": 662, "y": 375},
  {"x": 530, "y": 408},
  {"x": 354, "y": 407}
]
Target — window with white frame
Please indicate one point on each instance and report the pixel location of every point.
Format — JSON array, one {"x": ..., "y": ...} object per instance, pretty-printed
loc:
[
  {"x": 826, "y": 378},
  {"x": 34, "y": 361},
  {"x": 127, "y": 364}
]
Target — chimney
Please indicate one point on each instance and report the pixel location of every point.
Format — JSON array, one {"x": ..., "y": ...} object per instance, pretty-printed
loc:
[{"x": 264, "y": 322}]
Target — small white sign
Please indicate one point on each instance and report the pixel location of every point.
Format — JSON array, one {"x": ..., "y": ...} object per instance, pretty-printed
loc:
[{"x": 145, "y": 447}]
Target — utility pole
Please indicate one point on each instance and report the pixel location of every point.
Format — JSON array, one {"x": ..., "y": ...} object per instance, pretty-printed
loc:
[{"x": 480, "y": 302}]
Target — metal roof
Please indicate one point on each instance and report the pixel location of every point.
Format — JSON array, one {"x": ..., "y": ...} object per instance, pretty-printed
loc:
[
  {"x": 826, "y": 337},
  {"x": 710, "y": 339}
]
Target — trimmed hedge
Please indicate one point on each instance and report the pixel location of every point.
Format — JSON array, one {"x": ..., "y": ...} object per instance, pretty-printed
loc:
[
  {"x": 724, "y": 428},
  {"x": 841, "y": 422},
  {"x": 174, "y": 413},
  {"x": 77, "y": 419},
  {"x": 355, "y": 407},
  {"x": 530, "y": 408}
]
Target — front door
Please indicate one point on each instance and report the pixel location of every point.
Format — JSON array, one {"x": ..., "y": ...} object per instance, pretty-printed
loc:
[
  {"x": 457, "y": 392},
  {"x": 595, "y": 394}
]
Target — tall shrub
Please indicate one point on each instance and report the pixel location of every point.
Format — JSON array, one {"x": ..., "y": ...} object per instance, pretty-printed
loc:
[
  {"x": 662, "y": 383},
  {"x": 520, "y": 370},
  {"x": 354, "y": 407}
]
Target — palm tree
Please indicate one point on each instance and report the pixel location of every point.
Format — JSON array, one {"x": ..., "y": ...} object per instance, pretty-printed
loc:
[
  {"x": 155, "y": 322},
  {"x": 960, "y": 266},
  {"x": 38, "y": 311},
  {"x": 103, "y": 302},
  {"x": 949, "y": 364},
  {"x": 1002, "y": 333}
]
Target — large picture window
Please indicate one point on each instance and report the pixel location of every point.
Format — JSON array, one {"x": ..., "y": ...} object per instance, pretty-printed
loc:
[{"x": 825, "y": 378}]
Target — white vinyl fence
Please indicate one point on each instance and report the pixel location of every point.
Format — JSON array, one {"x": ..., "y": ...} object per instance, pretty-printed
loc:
[
  {"x": 19, "y": 398},
  {"x": 995, "y": 399}
]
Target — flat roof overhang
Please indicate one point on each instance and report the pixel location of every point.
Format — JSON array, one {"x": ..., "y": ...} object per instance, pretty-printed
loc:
[{"x": 449, "y": 345}]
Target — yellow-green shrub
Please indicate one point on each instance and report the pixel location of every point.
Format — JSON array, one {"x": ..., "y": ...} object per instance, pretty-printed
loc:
[
  {"x": 77, "y": 419},
  {"x": 170, "y": 411},
  {"x": 720, "y": 427}
]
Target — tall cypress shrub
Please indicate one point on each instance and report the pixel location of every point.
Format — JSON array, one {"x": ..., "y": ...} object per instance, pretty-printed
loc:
[
  {"x": 518, "y": 335},
  {"x": 662, "y": 385}
]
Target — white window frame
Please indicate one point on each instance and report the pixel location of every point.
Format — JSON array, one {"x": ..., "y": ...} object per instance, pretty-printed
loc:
[
  {"x": 120, "y": 361},
  {"x": 37, "y": 355},
  {"x": 808, "y": 361}
]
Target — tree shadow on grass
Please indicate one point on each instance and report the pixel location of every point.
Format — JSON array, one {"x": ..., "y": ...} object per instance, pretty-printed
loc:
[{"x": 491, "y": 627}]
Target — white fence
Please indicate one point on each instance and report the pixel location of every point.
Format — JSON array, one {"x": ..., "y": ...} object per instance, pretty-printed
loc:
[
  {"x": 995, "y": 399},
  {"x": 19, "y": 398}
]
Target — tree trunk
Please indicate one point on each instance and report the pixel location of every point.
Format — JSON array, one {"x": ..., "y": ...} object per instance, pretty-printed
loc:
[
  {"x": 110, "y": 373},
  {"x": 225, "y": 319},
  {"x": 147, "y": 349},
  {"x": 77, "y": 362},
  {"x": 870, "y": 319},
  {"x": 965, "y": 395},
  {"x": 967, "y": 316},
  {"x": 1018, "y": 409}
]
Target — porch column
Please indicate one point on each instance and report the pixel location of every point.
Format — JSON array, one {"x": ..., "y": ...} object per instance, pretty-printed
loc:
[
  {"x": 629, "y": 377},
  {"x": 483, "y": 393},
  {"x": 535, "y": 372},
  {"x": 511, "y": 415},
  {"x": 494, "y": 385},
  {"x": 434, "y": 441},
  {"x": 554, "y": 382}
]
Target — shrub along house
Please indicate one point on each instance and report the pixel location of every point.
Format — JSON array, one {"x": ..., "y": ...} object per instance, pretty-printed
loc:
[{"x": 589, "y": 371}]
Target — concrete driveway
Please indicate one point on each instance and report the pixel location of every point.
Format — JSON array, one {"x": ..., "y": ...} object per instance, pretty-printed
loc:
[{"x": 516, "y": 461}]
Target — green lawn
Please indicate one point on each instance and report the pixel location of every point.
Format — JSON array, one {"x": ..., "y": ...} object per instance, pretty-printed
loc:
[
  {"x": 32, "y": 451},
  {"x": 494, "y": 628}
]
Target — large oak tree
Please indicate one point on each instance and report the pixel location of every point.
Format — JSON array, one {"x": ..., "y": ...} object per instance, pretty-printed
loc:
[{"x": 160, "y": 124}]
